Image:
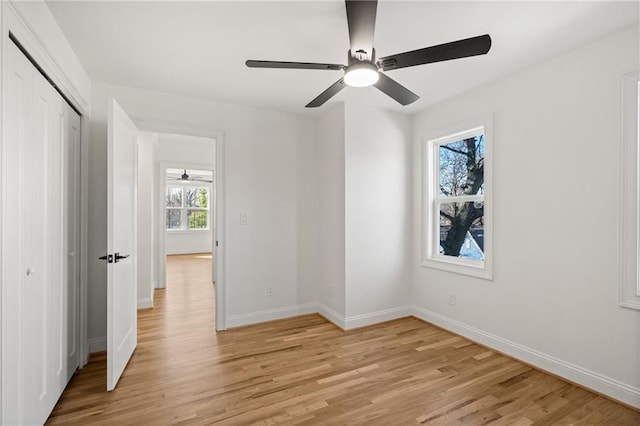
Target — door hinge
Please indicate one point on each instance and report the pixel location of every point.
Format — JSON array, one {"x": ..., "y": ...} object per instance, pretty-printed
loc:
[{"x": 216, "y": 243}]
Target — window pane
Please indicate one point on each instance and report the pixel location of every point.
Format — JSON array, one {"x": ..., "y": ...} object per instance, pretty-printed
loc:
[
  {"x": 197, "y": 197},
  {"x": 173, "y": 219},
  {"x": 197, "y": 219},
  {"x": 462, "y": 230},
  {"x": 174, "y": 197},
  {"x": 461, "y": 166}
]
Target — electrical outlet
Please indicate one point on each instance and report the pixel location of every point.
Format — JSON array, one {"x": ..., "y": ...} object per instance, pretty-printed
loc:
[
  {"x": 270, "y": 291},
  {"x": 243, "y": 219},
  {"x": 452, "y": 298}
]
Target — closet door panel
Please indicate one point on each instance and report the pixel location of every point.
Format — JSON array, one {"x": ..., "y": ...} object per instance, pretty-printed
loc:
[
  {"x": 71, "y": 293},
  {"x": 40, "y": 205},
  {"x": 35, "y": 307},
  {"x": 54, "y": 228},
  {"x": 16, "y": 276}
]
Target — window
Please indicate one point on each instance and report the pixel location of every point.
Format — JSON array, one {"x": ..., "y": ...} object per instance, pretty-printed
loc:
[
  {"x": 456, "y": 203},
  {"x": 187, "y": 207}
]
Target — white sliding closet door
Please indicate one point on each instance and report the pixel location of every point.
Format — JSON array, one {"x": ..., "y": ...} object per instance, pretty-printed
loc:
[
  {"x": 71, "y": 188},
  {"x": 40, "y": 281}
]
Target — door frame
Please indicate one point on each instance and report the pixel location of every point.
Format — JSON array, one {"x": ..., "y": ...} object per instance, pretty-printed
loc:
[{"x": 219, "y": 229}]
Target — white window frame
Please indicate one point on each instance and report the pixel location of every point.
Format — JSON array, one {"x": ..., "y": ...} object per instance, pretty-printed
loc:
[
  {"x": 432, "y": 258},
  {"x": 184, "y": 209}
]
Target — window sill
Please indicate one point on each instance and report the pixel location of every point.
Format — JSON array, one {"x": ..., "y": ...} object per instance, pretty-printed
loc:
[
  {"x": 477, "y": 270},
  {"x": 186, "y": 231}
]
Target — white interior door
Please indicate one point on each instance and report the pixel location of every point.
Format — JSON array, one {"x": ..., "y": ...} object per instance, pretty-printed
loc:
[{"x": 121, "y": 242}]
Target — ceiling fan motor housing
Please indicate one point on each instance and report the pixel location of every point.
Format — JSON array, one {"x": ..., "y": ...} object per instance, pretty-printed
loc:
[{"x": 361, "y": 56}]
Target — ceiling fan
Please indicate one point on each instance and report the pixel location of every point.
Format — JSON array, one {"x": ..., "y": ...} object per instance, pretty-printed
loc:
[
  {"x": 186, "y": 178},
  {"x": 363, "y": 70}
]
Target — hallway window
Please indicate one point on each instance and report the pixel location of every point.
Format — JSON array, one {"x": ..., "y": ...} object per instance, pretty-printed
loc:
[{"x": 187, "y": 207}]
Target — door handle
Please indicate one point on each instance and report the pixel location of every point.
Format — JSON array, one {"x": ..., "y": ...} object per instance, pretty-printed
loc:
[
  {"x": 118, "y": 257},
  {"x": 107, "y": 257}
]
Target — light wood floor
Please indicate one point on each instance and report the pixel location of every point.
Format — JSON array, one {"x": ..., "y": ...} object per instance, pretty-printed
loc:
[{"x": 306, "y": 371}]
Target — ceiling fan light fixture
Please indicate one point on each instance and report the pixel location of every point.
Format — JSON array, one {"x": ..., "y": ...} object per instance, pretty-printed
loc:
[
  {"x": 363, "y": 70},
  {"x": 361, "y": 74}
]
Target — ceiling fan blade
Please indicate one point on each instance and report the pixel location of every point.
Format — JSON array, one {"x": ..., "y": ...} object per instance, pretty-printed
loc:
[
  {"x": 473, "y": 46},
  {"x": 361, "y": 18},
  {"x": 293, "y": 65},
  {"x": 327, "y": 94},
  {"x": 395, "y": 90}
]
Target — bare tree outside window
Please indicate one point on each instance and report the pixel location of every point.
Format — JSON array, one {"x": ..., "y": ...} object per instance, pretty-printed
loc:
[
  {"x": 187, "y": 208},
  {"x": 460, "y": 199}
]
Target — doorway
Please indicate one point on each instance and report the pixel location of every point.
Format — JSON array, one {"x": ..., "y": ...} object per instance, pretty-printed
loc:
[
  {"x": 177, "y": 151},
  {"x": 188, "y": 216}
]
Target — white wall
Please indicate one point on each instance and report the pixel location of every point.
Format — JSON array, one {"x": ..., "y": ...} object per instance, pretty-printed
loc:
[
  {"x": 97, "y": 229},
  {"x": 553, "y": 300},
  {"x": 185, "y": 149},
  {"x": 185, "y": 242},
  {"x": 309, "y": 217},
  {"x": 331, "y": 172},
  {"x": 146, "y": 221},
  {"x": 261, "y": 173},
  {"x": 377, "y": 214},
  {"x": 364, "y": 215}
]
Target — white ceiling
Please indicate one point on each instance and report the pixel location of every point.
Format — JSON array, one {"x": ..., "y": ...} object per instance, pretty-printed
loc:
[{"x": 199, "y": 48}]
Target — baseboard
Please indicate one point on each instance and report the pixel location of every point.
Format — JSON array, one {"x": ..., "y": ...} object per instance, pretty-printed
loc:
[
  {"x": 597, "y": 382},
  {"x": 182, "y": 252},
  {"x": 97, "y": 344},
  {"x": 270, "y": 315},
  {"x": 372, "y": 318},
  {"x": 145, "y": 303},
  {"x": 589, "y": 379},
  {"x": 331, "y": 315}
]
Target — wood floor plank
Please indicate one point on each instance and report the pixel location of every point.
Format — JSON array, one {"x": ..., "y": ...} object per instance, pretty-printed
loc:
[{"x": 306, "y": 371}]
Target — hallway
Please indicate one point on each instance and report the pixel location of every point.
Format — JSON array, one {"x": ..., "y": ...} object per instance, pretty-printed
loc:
[{"x": 172, "y": 338}]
